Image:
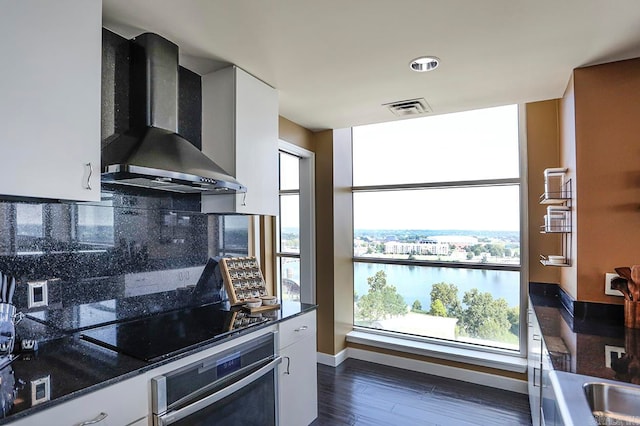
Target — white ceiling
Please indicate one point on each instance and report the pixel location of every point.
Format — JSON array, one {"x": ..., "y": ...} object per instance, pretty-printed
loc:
[{"x": 335, "y": 62}]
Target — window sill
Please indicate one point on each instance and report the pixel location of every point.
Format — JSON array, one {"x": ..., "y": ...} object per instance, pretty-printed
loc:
[{"x": 506, "y": 362}]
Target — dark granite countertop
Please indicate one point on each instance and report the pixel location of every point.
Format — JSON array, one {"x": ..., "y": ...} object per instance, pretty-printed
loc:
[
  {"x": 73, "y": 366},
  {"x": 592, "y": 342}
]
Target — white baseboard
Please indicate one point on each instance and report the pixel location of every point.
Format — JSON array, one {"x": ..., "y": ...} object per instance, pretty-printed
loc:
[
  {"x": 477, "y": 377},
  {"x": 333, "y": 360}
]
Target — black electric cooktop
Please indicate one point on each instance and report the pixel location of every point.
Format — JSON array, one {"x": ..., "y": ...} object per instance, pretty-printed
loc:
[{"x": 159, "y": 336}]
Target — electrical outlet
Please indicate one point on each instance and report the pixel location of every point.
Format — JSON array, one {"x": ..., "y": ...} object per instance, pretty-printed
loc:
[
  {"x": 40, "y": 390},
  {"x": 38, "y": 294},
  {"x": 608, "y": 277},
  {"x": 612, "y": 353}
]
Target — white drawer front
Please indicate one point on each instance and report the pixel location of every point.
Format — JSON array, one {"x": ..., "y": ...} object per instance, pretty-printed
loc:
[{"x": 297, "y": 328}]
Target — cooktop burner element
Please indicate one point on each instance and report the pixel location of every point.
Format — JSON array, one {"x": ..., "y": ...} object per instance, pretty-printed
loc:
[{"x": 162, "y": 335}]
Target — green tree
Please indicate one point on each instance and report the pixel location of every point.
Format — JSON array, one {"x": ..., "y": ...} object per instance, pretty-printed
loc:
[
  {"x": 417, "y": 306},
  {"x": 513, "y": 315},
  {"x": 447, "y": 294},
  {"x": 484, "y": 316},
  {"x": 437, "y": 308},
  {"x": 476, "y": 249},
  {"x": 496, "y": 250},
  {"x": 381, "y": 301}
]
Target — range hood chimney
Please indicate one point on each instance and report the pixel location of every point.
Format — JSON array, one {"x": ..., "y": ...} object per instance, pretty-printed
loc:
[{"x": 153, "y": 155}]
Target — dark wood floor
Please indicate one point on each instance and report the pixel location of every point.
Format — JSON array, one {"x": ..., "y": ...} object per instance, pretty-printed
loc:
[{"x": 363, "y": 393}]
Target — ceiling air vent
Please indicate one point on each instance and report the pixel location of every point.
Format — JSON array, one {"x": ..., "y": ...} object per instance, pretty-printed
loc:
[{"x": 409, "y": 107}]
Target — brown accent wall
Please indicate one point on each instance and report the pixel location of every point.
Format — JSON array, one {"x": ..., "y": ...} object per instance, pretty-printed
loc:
[
  {"x": 607, "y": 122},
  {"x": 325, "y": 288},
  {"x": 543, "y": 151},
  {"x": 296, "y": 134}
]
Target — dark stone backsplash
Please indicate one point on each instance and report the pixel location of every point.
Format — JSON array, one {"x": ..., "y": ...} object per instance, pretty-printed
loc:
[{"x": 137, "y": 254}]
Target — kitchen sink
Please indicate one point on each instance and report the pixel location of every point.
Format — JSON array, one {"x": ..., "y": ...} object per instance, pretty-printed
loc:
[{"x": 613, "y": 404}]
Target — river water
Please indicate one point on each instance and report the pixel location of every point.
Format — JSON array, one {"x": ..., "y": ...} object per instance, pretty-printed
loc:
[{"x": 415, "y": 282}]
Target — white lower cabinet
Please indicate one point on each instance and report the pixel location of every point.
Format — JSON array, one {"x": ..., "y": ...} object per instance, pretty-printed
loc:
[
  {"x": 124, "y": 403},
  {"x": 297, "y": 379}
]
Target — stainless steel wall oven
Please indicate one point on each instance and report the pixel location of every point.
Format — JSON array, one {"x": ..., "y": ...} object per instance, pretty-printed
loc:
[{"x": 236, "y": 386}]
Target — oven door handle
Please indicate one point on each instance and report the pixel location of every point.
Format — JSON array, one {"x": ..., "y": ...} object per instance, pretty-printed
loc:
[{"x": 174, "y": 416}]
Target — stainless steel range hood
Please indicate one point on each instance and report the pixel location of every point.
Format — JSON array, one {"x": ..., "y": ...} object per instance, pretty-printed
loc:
[{"x": 153, "y": 155}]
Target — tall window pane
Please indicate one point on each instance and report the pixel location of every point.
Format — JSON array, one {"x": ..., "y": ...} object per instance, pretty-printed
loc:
[
  {"x": 289, "y": 172},
  {"x": 290, "y": 223},
  {"x": 452, "y": 147},
  {"x": 466, "y": 305},
  {"x": 469, "y": 224}
]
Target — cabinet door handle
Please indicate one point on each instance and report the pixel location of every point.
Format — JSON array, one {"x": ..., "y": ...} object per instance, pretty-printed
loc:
[
  {"x": 288, "y": 364},
  {"x": 302, "y": 328},
  {"x": 536, "y": 337},
  {"x": 536, "y": 372},
  {"x": 88, "y": 186},
  {"x": 98, "y": 419}
]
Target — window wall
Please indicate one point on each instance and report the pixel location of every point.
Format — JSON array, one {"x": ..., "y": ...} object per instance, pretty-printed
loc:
[{"x": 436, "y": 214}]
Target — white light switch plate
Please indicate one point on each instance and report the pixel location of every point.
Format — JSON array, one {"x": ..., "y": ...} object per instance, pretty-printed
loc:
[{"x": 38, "y": 294}]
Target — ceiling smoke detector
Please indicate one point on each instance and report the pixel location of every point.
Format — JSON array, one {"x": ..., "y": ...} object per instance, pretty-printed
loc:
[
  {"x": 409, "y": 107},
  {"x": 424, "y": 63}
]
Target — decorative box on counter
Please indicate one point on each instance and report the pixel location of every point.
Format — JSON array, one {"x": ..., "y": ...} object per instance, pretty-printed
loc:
[{"x": 243, "y": 279}]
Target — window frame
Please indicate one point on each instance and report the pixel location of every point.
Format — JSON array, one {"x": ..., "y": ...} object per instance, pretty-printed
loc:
[
  {"x": 522, "y": 268},
  {"x": 307, "y": 253}
]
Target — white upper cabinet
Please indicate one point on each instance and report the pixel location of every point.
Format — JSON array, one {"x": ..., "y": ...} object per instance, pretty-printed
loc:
[
  {"x": 240, "y": 133},
  {"x": 50, "y": 99}
]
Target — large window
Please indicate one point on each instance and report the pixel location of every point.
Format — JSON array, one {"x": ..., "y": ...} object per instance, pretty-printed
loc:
[{"x": 436, "y": 213}]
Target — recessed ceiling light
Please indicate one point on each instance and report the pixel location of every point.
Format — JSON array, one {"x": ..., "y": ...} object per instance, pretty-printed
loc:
[{"x": 424, "y": 63}]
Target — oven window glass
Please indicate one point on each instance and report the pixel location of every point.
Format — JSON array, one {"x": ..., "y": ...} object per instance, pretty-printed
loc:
[{"x": 253, "y": 405}]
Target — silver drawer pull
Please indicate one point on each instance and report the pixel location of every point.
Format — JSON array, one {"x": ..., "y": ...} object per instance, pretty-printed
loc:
[
  {"x": 89, "y": 182},
  {"x": 98, "y": 419},
  {"x": 302, "y": 328}
]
